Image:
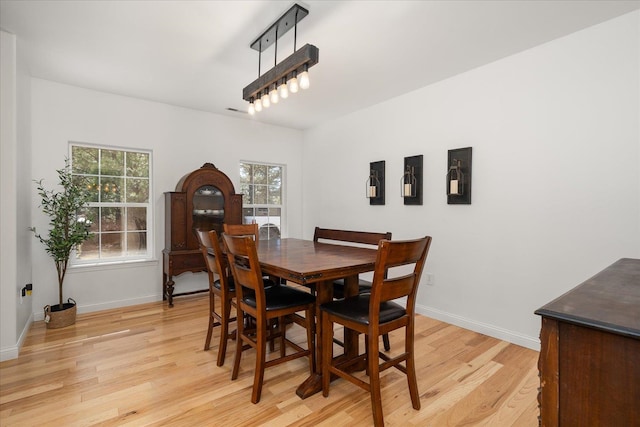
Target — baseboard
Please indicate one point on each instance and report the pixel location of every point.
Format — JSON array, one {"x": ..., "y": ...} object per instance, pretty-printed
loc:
[
  {"x": 483, "y": 328},
  {"x": 90, "y": 308},
  {"x": 14, "y": 351}
]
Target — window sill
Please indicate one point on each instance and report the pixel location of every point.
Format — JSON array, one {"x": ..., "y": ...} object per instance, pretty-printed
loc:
[{"x": 115, "y": 265}]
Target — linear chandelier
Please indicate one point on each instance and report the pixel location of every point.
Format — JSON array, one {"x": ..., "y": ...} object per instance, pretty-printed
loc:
[{"x": 285, "y": 77}]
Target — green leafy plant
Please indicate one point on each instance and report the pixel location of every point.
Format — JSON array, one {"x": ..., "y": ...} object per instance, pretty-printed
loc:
[{"x": 67, "y": 228}]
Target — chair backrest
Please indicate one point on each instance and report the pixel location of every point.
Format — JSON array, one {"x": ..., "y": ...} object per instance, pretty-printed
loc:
[
  {"x": 245, "y": 267},
  {"x": 363, "y": 237},
  {"x": 395, "y": 254},
  {"x": 213, "y": 256},
  {"x": 243, "y": 230}
]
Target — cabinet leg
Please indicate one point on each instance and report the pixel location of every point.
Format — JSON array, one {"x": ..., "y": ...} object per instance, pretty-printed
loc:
[{"x": 170, "y": 284}]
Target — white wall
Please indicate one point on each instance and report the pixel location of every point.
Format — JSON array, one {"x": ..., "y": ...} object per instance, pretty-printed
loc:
[
  {"x": 8, "y": 143},
  {"x": 182, "y": 140},
  {"x": 24, "y": 237},
  {"x": 556, "y": 190}
]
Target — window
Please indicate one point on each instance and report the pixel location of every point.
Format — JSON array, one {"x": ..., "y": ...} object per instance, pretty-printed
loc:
[
  {"x": 262, "y": 187},
  {"x": 120, "y": 208}
]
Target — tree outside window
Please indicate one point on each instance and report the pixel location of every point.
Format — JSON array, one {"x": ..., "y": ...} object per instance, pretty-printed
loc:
[
  {"x": 262, "y": 189},
  {"x": 120, "y": 208}
]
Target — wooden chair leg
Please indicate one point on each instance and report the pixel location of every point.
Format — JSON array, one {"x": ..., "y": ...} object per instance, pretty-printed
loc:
[
  {"x": 224, "y": 331},
  {"x": 385, "y": 341},
  {"x": 207, "y": 341},
  {"x": 311, "y": 332},
  {"x": 374, "y": 381},
  {"x": 411, "y": 369},
  {"x": 327, "y": 351},
  {"x": 261, "y": 349},
  {"x": 239, "y": 344},
  {"x": 283, "y": 337}
]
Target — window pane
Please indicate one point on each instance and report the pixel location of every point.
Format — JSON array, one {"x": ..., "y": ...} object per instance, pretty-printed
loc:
[
  {"x": 247, "y": 198},
  {"x": 259, "y": 174},
  {"x": 111, "y": 219},
  {"x": 137, "y": 190},
  {"x": 136, "y": 218},
  {"x": 112, "y": 245},
  {"x": 90, "y": 183},
  {"x": 112, "y": 163},
  {"x": 245, "y": 173},
  {"x": 136, "y": 243},
  {"x": 247, "y": 215},
  {"x": 111, "y": 189},
  {"x": 91, "y": 215},
  {"x": 275, "y": 195},
  {"x": 84, "y": 160},
  {"x": 89, "y": 249},
  {"x": 138, "y": 164},
  {"x": 262, "y": 186},
  {"x": 260, "y": 194},
  {"x": 275, "y": 175}
]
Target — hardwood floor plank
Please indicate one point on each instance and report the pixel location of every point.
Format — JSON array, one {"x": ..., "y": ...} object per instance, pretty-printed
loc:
[{"x": 144, "y": 366}]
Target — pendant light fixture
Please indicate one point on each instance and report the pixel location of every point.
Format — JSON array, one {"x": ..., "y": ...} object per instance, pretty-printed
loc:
[{"x": 285, "y": 77}]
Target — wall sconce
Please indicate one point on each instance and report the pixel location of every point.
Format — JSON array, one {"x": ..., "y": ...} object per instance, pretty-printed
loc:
[
  {"x": 375, "y": 183},
  {"x": 411, "y": 181},
  {"x": 288, "y": 75},
  {"x": 459, "y": 177},
  {"x": 455, "y": 179}
]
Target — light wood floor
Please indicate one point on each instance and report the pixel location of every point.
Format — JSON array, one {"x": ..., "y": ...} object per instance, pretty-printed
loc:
[{"x": 144, "y": 365}]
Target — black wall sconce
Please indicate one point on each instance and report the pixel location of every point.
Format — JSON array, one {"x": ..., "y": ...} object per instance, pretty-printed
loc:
[
  {"x": 411, "y": 181},
  {"x": 375, "y": 183},
  {"x": 459, "y": 176}
]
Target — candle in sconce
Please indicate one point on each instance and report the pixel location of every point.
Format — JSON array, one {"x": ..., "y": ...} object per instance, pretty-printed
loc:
[
  {"x": 407, "y": 190},
  {"x": 453, "y": 189},
  {"x": 372, "y": 191}
]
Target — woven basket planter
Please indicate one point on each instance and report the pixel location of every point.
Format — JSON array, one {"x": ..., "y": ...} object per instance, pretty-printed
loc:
[{"x": 55, "y": 317}]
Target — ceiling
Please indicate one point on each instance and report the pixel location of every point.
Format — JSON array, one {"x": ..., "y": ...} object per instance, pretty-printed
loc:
[{"x": 196, "y": 54}]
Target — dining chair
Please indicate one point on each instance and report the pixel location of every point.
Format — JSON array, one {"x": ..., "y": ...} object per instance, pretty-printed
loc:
[
  {"x": 361, "y": 237},
  {"x": 243, "y": 230},
  {"x": 253, "y": 231},
  {"x": 265, "y": 304},
  {"x": 221, "y": 286},
  {"x": 375, "y": 314}
]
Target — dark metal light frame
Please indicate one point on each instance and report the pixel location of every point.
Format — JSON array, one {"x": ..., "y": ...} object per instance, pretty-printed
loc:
[{"x": 301, "y": 59}]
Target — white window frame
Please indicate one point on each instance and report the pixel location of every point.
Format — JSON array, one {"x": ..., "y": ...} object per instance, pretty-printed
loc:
[
  {"x": 281, "y": 206},
  {"x": 149, "y": 256}
]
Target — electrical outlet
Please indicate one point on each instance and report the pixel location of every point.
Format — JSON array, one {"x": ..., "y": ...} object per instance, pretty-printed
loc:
[{"x": 430, "y": 279}]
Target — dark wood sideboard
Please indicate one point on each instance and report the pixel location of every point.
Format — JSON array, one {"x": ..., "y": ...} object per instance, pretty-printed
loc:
[
  {"x": 590, "y": 351},
  {"x": 204, "y": 199}
]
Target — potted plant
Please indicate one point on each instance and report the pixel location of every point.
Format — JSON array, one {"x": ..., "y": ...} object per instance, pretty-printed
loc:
[{"x": 67, "y": 230}]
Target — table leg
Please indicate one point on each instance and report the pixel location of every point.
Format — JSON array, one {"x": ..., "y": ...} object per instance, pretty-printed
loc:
[
  {"x": 324, "y": 293},
  {"x": 313, "y": 384}
]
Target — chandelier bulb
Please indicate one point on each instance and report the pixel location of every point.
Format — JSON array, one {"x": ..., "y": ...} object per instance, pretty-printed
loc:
[
  {"x": 284, "y": 91},
  {"x": 293, "y": 83},
  {"x": 258, "y": 105},
  {"x": 273, "y": 95},
  {"x": 252, "y": 108},
  {"x": 304, "y": 78},
  {"x": 265, "y": 99}
]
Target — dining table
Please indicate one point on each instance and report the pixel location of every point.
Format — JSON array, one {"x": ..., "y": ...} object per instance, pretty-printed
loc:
[{"x": 317, "y": 265}]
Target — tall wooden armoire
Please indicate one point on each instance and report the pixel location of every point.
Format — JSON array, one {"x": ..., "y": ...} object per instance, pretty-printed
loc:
[{"x": 204, "y": 199}]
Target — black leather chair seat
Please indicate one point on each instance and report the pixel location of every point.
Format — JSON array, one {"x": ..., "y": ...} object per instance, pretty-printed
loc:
[
  {"x": 364, "y": 287},
  {"x": 357, "y": 309},
  {"x": 279, "y": 297},
  {"x": 232, "y": 285}
]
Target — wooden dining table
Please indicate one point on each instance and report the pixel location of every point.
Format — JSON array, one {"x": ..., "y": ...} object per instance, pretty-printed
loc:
[{"x": 315, "y": 264}]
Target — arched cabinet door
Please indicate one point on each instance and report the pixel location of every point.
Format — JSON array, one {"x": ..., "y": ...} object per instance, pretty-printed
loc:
[{"x": 204, "y": 199}]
